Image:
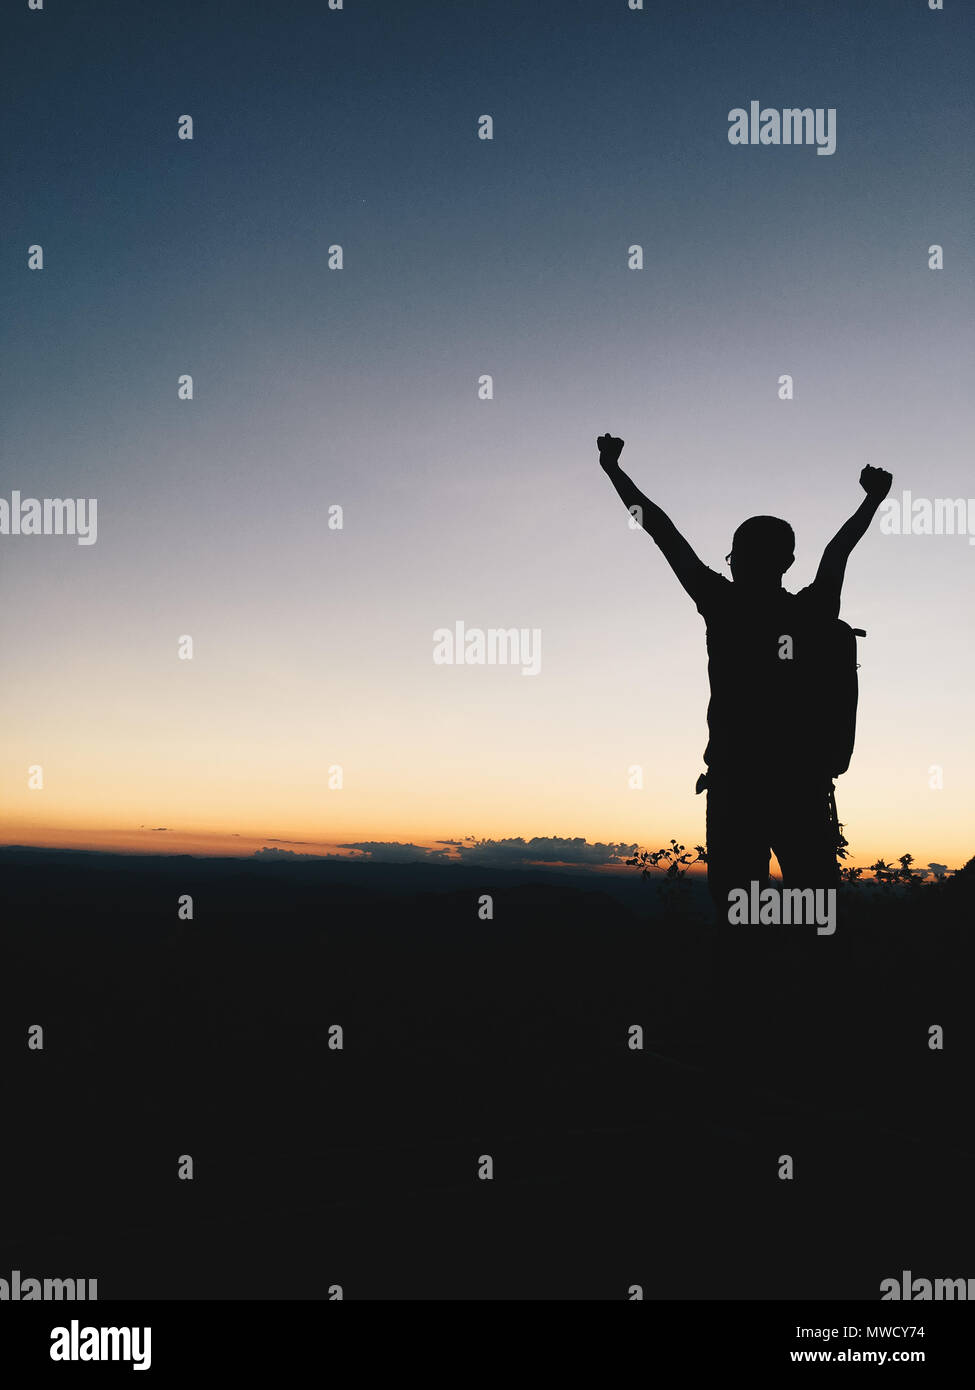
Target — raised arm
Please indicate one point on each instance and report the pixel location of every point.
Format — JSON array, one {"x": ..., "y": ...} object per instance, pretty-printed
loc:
[
  {"x": 689, "y": 569},
  {"x": 832, "y": 567}
]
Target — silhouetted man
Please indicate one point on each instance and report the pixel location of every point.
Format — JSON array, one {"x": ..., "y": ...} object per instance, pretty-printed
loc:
[{"x": 779, "y": 719}]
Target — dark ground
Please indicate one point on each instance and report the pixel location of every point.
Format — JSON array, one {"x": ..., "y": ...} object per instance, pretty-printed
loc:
[{"x": 461, "y": 1038}]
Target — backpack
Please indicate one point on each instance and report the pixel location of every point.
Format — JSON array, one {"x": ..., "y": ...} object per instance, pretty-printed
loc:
[
  {"x": 837, "y": 643},
  {"x": 791, "y": 706}
]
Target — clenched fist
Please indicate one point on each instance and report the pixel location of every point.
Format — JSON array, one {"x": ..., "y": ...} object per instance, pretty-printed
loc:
[
  {"x": 609, "y": 450},
  {"x": 876, "y": 482}
]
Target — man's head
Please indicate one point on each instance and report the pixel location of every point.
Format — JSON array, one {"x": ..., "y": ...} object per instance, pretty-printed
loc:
[{"x": 762, "y": 550}]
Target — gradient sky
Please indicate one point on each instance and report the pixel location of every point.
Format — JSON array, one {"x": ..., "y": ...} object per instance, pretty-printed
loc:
[{"x": 357, "y": 387}]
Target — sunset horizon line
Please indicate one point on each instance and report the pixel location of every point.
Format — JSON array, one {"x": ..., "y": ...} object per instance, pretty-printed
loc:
[{"x": 507, "y": 852}]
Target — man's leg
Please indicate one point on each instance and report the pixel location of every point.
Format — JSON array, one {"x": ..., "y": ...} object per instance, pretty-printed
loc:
[
  {"x": 738, "y": 844},
  {"x": 738, "y": 854},
  {"x": 805, "y": 843},
  {"x": 805, "y": 837}
]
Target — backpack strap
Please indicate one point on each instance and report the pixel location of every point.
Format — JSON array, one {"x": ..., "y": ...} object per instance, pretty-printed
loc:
[{"x": 836, "y": 829}]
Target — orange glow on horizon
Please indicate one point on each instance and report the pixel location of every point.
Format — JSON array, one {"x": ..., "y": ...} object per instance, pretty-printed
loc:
[{"x": 222, "y": 844}]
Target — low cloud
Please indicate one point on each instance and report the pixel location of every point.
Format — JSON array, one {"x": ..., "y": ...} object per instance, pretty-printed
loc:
[
  {"x": 267, "y": 853},
  {"x": 544, "y": 850},
  {"x": 514, "y": 852},
  {"x": 393, "y": 852}
]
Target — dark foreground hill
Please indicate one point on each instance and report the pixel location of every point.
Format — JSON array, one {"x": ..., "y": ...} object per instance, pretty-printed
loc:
[{"x": 463, "y": 1038}]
